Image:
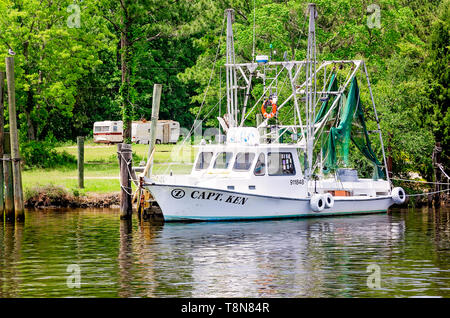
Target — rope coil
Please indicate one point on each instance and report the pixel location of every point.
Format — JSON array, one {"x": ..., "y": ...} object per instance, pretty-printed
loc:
[{"x": 126, "y": 188}]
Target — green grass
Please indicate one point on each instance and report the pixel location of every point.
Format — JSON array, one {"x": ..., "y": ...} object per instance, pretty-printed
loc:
[
  {"x": 108, "y": 153},
  {"x": 102, "y": 169}
]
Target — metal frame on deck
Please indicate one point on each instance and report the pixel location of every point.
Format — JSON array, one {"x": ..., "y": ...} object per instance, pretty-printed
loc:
[{"x": 307, "y": 89}]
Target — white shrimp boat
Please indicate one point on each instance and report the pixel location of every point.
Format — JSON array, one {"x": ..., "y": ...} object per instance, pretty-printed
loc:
[{"x": 255, "y": 175}]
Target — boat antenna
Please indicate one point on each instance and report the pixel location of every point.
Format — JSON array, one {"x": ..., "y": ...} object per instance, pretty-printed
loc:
[{"x": 254, "y": 29}]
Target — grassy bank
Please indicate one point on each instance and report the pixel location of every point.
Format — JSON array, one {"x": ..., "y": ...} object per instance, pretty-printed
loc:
[{"x": 102, "y": 168}]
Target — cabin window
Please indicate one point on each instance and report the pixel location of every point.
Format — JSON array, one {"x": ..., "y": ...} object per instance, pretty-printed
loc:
[
  {"x": 203, "y": 161},
  {"x": 260, "y": 167},
  {"x": 223, "y": 160},
  {"x": 280, "y": 163},
  {"x": 114, "y": 128},
  {"x": 243, "y": 161}
]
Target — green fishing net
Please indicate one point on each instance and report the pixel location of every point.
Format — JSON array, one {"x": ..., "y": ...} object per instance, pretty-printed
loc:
[{"x": 351, "y": 127}]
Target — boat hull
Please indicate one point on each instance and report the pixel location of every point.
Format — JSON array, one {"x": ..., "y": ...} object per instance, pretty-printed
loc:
[{"x": 190, "y": 203}]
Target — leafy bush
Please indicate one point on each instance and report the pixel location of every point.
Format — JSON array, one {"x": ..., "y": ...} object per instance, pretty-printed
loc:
[
  {"x": 41, "y": 154},
  {"x": 48, "y": 195}
]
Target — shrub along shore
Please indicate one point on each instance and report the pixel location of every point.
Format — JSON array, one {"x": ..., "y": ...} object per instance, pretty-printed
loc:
[{"x": 53, "y": 180}]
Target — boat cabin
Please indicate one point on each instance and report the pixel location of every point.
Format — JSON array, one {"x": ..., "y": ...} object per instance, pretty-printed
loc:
[{"x": 244, "y": 165}]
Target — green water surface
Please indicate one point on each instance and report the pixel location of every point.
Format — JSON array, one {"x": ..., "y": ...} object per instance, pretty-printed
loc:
[{"x": 408, "y": 251}]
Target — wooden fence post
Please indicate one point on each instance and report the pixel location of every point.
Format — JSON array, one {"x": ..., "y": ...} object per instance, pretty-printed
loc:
[
  {"x": 80, "y": 162},
  {"x": 125, "y": 165},
  {"x": 2, "y": 130},
  {"x": 15, "y": 154}
]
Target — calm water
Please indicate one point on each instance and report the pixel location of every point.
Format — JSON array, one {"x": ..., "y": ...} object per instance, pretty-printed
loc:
[{"x": 323, "y": 257}]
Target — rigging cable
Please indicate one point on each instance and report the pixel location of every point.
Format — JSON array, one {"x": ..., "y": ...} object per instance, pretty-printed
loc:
[
  {"x": 419, "y": 181},
  {"x": 207, "y": 88},
  {"x": 427, "y": 193}
]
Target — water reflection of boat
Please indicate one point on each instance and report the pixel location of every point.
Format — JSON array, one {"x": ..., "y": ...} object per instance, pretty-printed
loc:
[
  {"x": 256, "y": 175},
  {"x": 267, "y": 258}
]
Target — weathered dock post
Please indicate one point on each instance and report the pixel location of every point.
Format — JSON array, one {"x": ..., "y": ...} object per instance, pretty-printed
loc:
[
  {"x": 2, "y": 131},
  {"x": 8, "y": 177},
  {"x": 80, "y": 161},
  {"x": 15, "y": 154},
  {"x": 149, "y": 211},
  {"x": 154, "y": 123},
  {"x": 125, "y": 165},
  {"x": 437, "y": 176}
]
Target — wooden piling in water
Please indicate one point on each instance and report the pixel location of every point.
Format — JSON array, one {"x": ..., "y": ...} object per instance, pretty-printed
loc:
[
  {"x": 125, "y": 165},
  {"x": 437, "y": 174},
  {"x": 80, "y": 162},
  {"x": 2, "y": 131},
  {"x": 15, "y": 154},
  {"x": 8, "y": 178},
  {"x": 9, "y": 189}
]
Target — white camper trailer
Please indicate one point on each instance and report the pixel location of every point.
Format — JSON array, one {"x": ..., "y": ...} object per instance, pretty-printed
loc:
[
  {"x": 168, "y": 131},
  {"x": 108, "y": 131}
]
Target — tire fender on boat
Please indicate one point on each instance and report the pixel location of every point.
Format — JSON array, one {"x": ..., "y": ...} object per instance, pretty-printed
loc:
[
  {"x": 329, "y": 200},
  {"x": 317, "y": 202},
  {"x": 398, "y": 195}
]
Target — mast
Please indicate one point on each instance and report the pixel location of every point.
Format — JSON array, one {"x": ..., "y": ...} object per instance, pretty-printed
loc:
[
  {"x": 232, "y": 102},
  {"x": 310, "y": 89}
]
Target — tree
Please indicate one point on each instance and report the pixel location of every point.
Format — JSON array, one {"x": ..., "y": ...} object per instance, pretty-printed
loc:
[
  {"x": 438, "y": 116},
  {"x": 137, "y": 23},
  {"x": 51, "y": 57}
]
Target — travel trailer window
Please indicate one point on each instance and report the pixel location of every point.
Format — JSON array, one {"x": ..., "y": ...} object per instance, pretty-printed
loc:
[
  {"x": 223, "y": 160},
  {"x": 101, "y": 128},
  {"x": 243, "y": 161},
  {"x": 204, "y": 158},
  {"x": 280, "y": 163},
  {"x": 260, "y": 167}
]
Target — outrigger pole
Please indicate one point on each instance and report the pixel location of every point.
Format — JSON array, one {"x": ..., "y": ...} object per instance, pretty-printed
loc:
[{"x": 310, "y": 89}]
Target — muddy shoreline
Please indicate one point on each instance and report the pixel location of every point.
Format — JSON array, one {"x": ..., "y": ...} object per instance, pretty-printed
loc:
[{"x": 44, "y": 200}]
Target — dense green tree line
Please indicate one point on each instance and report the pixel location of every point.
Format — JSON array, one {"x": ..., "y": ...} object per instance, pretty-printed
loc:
[{"x": 78, "y": 62}]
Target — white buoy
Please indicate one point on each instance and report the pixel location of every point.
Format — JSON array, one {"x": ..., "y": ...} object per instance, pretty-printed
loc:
[
  {"x": 329, "y": 200},
  {"x": 317, "y": 202},
  {"x": 398, "y": 195}
]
